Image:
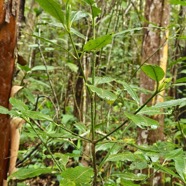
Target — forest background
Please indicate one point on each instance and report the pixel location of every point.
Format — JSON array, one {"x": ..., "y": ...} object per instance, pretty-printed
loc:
[{"x": 103, "y": 93}]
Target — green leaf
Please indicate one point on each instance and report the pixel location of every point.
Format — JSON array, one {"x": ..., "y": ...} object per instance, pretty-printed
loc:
[
  {"x": 78, "y": 15},
  {"x": 29, "y": 95},
  {"x": 36, "y": 115},
  {"x": 180, "y": 165},
  {"x": 129, "y": 30},
  {"x": 161, "y": 168},
  {"x": 102, "y": 93},
  {"x": 18, "y": 104},
  {"x": 126, "y": 156},
  {"x": 142, "y": 121},
  {"x": 25, "y": 173},
  {"x": 66, "y": 118},
  {"x": 98, "y": 43},
  {"x": 130, "y": 91},
  {"x": 171, "y": 103},
  {"x": 101, "y": 80},
  {"x": 150, "y": 111},
  {"x": 53, "y": 8},
  {"x": 43, "y": 67},
  {"x": 131, "y": 176},
  {"x": 4, "y": 110},
  {"x": 67, "y": 182},
  {"x": 79, "y": 175},
  {"x": 74, "y": 31},
  {"x": 128, "y": 183},
  {"x": 173, "y": 153},
  {"x": 90, "y": 2},
  {"x": 178, "y": 2},
  {"x": 72, "y": 67},
  {"x": 38, "y": 83},
  {"x": 95, "y": 11},
  {"x": 154, "y": 72},
  {"x": 181, "y": 80}
]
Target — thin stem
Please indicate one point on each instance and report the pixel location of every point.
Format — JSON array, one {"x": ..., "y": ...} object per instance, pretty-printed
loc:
[
  {"x": 127, "y": 120},
  {"x": 46, "y": 146},
  {"x": 93, "y": 106}
]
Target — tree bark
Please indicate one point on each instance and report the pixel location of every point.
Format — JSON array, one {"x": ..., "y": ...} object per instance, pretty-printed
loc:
[
  {"x": 155, "y": 52},
  {"x": 8, "y": 17}
]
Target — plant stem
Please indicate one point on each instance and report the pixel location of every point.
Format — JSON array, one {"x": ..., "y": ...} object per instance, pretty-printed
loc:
[
  {"x": 140, "y": 108},
  {"x": 93, "y": 106},
  {"x": 46, "y": 146}
]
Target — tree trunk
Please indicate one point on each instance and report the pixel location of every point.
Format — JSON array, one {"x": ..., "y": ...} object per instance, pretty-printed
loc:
[
  {"x": 154, "y": 51},
  {"x": 8, "y": 15}
]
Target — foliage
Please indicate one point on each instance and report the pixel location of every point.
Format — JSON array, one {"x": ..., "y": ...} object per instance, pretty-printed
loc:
[{"x": 83, "y": 40}]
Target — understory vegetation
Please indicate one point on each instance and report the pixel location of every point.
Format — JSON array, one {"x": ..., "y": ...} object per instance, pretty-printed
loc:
[{"x": 81, "y": 96}]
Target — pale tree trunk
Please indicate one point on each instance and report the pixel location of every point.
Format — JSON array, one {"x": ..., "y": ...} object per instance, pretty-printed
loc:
[
  {"x": 8, "y": 17},
  {"x": 154, "y": 51}
]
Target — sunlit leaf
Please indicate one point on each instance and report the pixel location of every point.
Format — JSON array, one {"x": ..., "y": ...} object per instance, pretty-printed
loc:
[
  {"x": 125, "y": 156},
  {"x": 4, "y": 110},
  {"x": 131, "y": 176},
  {"x": 98, "y": 43},
  {"x": 102, "y": 93},
  {"x": 153, "y": 71},
  {"x": 171, "y": 103},
  {"x": 130, "y": 91},
  {"x": 101, "y": 80},
  {"x": 142, "y": 121},
  {"x": 162, "y": 168},
  {"x": 25, "y": 173},
  {"x": 43, "y": 67},
  {"x": 178, "y": 2},
  {"x": 78, "y": 15},
  {"x": 36, "y": 115},
  {"x": 180, "y": 165},
  {"x": 72, "y": 67},
  {"x": 79, "y": 175},
  {"x": 18, "y": 104}
]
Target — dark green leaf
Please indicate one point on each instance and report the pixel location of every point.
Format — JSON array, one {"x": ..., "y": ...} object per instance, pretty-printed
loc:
[
  {"x": 53, "y": 8},
  {"x": 96, "y": 11},
  {"x": 154, "y": 72}
]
